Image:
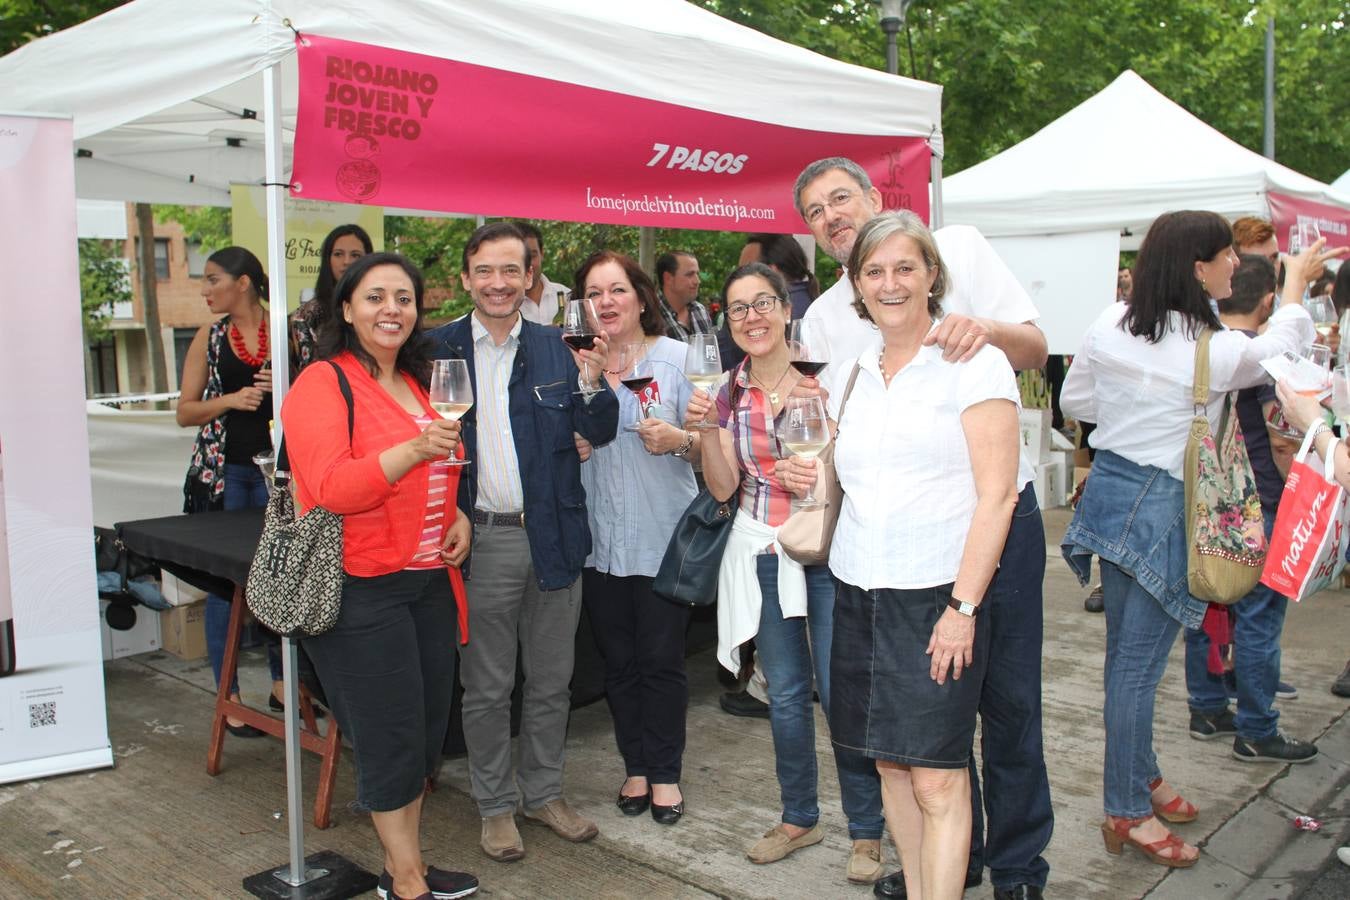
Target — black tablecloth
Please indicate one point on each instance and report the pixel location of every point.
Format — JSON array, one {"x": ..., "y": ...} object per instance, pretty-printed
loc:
[{"x": 210, "y": 551}]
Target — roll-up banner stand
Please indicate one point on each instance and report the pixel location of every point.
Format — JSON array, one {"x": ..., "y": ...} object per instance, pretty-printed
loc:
[{"x": 53, "y": 717}]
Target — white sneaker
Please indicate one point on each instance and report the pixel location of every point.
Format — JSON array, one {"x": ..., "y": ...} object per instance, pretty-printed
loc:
[{"x": 1343, "y": 854}]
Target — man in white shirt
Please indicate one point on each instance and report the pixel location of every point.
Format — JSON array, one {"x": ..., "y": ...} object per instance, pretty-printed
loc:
[
  {"x": 543, "y": 298},
  {"x": 984, "y": 304}
]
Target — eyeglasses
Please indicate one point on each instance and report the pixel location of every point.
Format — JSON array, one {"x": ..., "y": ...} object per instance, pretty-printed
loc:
[
  {"x": 839, "y": 198},
  {"x": 763, "y": 304}
]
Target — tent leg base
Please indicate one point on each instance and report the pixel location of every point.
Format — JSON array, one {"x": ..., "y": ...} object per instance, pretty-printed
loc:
[{"x": 329, "y": 876}]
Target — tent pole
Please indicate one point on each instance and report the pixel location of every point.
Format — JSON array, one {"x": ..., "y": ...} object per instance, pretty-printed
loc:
[
  {"x": 276, "y": 265},
  {"x": 935, "y": 211}
]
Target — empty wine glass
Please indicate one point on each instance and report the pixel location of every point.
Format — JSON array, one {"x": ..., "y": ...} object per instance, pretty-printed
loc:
[
  {"x": 578, "y": 332},
  {"x": 451, "y": 393},
  {"x": 805, "y": 431},
  {"x": 1302, "y": 236},
  {"x": 703, "y": 367},
  {"x": 1340, "y": 393}
]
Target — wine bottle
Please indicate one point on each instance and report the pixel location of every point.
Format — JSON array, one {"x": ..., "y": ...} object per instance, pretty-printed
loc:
[{"x": 7, "y": 663}]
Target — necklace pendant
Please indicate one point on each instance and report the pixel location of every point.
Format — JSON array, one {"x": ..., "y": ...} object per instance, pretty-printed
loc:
[{"x": 773, "y": 396}]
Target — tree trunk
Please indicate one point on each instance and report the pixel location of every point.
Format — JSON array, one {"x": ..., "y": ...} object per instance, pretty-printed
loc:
[{"x": 159, "y": 372}]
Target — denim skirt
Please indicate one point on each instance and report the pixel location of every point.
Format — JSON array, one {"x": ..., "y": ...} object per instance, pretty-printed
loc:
[{"x": 883, "y": 701}]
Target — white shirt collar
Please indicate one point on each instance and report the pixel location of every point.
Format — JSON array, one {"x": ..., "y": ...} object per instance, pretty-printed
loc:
[{"x": 480, "y": 332}]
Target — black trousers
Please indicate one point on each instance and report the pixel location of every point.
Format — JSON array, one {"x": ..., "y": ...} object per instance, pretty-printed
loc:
[
  {"x": 387, "y": 667},
  {"x": 641, "y": 637}
]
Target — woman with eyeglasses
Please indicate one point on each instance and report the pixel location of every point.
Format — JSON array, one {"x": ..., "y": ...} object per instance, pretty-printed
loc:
[{"x": 762, "y": 593}]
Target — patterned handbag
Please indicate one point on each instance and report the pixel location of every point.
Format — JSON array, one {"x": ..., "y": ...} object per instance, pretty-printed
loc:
[
  {"x": 1225, "y": 531},
  {"x": 295, "y": 582}
]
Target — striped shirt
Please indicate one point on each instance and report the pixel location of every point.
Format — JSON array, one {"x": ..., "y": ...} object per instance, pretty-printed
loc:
[
  {"x": 699, "y": 320},
  {"x": 428, "y": 552},
  {"x": 499, "y": 487},
  {"x": 757, "y": 448}
]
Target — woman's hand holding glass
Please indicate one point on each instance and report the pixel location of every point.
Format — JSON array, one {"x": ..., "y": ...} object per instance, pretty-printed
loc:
[
  {"x": 700, "y": 404},
  {"x": 797, "y": 475},
  {"x": 805, "y": 431},
  {"x": 437, "y": 441},
  {"x": 1300, "y": 410}
]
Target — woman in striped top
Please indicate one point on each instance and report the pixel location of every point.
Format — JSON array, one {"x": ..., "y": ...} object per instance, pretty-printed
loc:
[{"x": 765, "y": 595}]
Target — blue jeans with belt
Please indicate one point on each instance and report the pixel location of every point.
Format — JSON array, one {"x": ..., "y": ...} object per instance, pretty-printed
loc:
[
  {"x": 1258, "y": 622},
  {"x": 244, "y": 489},
  {"x": 789, "y": 659},
  {"x": 1016, "y": 786}
]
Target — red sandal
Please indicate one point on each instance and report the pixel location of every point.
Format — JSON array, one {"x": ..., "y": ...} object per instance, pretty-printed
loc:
[
  {"x": 1117, "y": 835},
  {"x": 1178, "y": 810}
]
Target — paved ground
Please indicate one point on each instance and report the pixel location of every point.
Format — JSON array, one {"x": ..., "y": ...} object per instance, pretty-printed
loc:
[{"x": 157, "y": 826}]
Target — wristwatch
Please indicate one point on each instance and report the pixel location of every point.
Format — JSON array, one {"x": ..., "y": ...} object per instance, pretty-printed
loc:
[{"x": 964, "y": 608}]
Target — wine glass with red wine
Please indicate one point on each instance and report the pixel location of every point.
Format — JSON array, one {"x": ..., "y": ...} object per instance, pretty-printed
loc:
[
  {"x": 807, "y": 349},
  {"x": 578, "y": 332},
  {"x": 635, "y": 373}
]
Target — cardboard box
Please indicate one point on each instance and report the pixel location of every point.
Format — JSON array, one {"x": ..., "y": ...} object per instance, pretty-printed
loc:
[
  {"x": 1035, "y": 426},
  {"x": 177, "y": 591},
  {"x": 183, "y": 630},
  {"x": 1052, "y": 484},
  {"x": 143, "y": 637}
]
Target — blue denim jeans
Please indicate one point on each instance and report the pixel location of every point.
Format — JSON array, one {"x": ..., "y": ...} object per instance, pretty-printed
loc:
[
  {"x": 1139, "y": 634},
  {"x": 1016, "y": 786},
  {"x": 1257, "y": 626},
  {"x": 789, "y": 659},
  {"x": 244, "y": 489}
]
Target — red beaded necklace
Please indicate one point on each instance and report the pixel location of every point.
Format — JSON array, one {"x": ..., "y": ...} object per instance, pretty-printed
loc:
[{"x": 241, "y": 350}]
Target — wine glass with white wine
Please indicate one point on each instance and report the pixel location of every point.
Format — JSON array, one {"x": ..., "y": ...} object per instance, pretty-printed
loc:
[
  {"x": 451, "y": 393},
  {"x": 806, "y": 433},
  {"x": 703, "y": 367}
]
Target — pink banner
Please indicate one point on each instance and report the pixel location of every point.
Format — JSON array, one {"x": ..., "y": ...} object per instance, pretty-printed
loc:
[
  {"x": 1286, "y": 211},
  {"x": 400, "y": 129}
]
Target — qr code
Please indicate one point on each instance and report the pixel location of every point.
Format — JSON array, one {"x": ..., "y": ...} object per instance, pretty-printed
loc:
[{"x": 41, "y": 715}]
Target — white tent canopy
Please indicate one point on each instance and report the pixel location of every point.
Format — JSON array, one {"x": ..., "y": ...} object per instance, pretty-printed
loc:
[
  {"x": 167, "y": 95},
  {"x": 1115, "y": 162}
]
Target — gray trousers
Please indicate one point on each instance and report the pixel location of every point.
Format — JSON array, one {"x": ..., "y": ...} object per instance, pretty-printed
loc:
[{"x": 507, "y": 610}]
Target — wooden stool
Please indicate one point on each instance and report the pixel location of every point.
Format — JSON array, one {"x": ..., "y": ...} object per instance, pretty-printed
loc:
[{"x": 329, "y": 746}]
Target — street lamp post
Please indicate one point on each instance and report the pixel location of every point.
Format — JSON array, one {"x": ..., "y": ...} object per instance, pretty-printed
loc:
[{"x": 892, "y": 20}]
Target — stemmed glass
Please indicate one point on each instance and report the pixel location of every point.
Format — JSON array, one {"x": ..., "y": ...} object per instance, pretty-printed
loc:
[
  {"x": 807, "y": 348},
  {"x": 635, "y": 373},
  {"x": 703, "y": 367},
  {"x": 1302, "y": 236},
  {"x": 1323, "y": 314},
  {"x": 579, "y": 333},
  {"x": 1340, "y": 394},
  {"x": 451, "y": 393},
  {"x": 805, "y": 432}
]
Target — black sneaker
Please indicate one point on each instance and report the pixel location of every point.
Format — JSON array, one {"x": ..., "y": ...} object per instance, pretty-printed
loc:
[
  {"x": 444, "y": 885},
  {"x": 1095, "y": 602},
  {"x": 1208, "y": 726},
  {"x": 741, "y": 703},
  {"x": 1276, "y": 748},
  {"x": 1285, "y": 691},
  {"x": 1341, "y": 686}
]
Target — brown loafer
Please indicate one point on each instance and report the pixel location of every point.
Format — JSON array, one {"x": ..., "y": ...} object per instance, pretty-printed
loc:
[
  {"x": 777, "y": 843},
  {"x": 501, "y": 839},
  {"x": 564, "y": 821},
  {"x": 864, "y": 862}
]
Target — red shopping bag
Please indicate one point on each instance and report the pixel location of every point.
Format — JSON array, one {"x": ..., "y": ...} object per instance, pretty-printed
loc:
[{"x": 1307, "y": 545}]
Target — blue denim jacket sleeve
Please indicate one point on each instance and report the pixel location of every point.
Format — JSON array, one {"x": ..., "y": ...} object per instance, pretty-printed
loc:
[{"x": 1134, "y": 517}]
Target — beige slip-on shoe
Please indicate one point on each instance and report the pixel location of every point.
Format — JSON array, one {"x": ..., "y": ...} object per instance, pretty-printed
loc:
[
  {"x": 864, "y": 862},
  {"x": 501, "y": 838},
  {"x": 777, "y": 843},
  {"x": 564, "y": 820}
]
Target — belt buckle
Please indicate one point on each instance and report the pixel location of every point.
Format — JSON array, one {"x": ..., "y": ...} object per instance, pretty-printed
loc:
[{"x": 522, "y": 519}]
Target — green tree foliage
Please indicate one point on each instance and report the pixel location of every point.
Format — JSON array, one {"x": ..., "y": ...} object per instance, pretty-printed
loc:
[
  {"x": 205, "y": 225},
  {"x": 22, "y": 21},
  {"x": 104, "y": 281}
]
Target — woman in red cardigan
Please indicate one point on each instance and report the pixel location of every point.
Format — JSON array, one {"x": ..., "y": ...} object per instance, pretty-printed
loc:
[{"x": 388, "y": 664}]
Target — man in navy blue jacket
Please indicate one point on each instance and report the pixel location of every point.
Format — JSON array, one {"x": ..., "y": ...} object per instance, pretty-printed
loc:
[{"x": 523, "y": 491}]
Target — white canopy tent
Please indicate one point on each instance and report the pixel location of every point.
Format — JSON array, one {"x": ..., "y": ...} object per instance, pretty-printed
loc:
[
  {"x": 1061, "y": 205},
  {"x": 1116, "y": 161},
  {"x": 168, "y": 101}
]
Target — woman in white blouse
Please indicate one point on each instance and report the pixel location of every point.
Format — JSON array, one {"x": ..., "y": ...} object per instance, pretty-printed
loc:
[
  {"x": 1133, "y": 377},
  {"x": 926, "y": 452}
]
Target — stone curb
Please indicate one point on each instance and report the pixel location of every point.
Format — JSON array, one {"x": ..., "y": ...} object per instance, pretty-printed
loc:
[{"x": 1258, "y": 854}]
